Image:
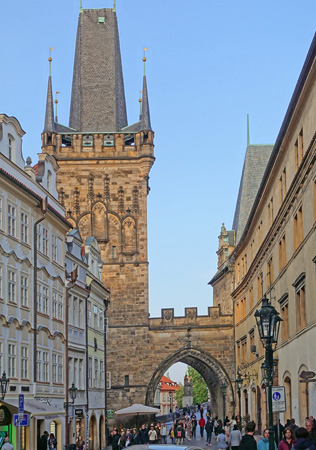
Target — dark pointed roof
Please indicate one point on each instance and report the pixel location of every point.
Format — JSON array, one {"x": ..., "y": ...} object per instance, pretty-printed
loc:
[
  {"x": 98, "y": 97},
  {"x": 145, "y": 118},
  {"x": 49, "y": 125},
  {"x": 256, "y": 160}
]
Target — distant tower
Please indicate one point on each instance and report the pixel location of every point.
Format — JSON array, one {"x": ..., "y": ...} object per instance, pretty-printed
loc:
[{"x": 103, "y": 184}]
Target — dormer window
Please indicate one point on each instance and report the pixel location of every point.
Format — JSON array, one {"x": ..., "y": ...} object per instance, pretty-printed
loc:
[
  {"x": 49, "y": 181},
  {"x": 11, "y": 148}
]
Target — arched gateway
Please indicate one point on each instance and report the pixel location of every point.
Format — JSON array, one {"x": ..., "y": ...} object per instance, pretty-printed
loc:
[{"x": 103, "y": 183}]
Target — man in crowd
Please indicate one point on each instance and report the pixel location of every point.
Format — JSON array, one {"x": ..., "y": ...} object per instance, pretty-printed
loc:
[
  {"x": 311, "y": 431},
  {"x": 248, "y": 442}
]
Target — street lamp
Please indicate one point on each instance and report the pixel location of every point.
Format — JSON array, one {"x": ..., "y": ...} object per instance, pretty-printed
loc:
[
  {"x": 223, "y": 387},
  {"x": 4, "y": 385},
  {"x": 268, "y": 322},
  {"x": 73, "y": 395},
  {"x": 239, "y": 382}
]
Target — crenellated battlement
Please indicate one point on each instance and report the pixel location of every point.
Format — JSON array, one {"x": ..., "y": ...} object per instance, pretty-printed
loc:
[
  {"x": 97, "y": 145},
  {"x": 214, "y": 318}
]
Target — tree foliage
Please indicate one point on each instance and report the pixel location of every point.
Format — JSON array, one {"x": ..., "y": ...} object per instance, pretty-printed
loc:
[
  {"x": 179, "y": 395},
  {"x": 199, "y": 386}
]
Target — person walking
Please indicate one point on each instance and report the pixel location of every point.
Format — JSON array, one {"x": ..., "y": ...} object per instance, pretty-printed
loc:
[
  {"x": 209, "y": 431},
  {"x": 172, "y": 434},
  {"x": 264, "y": 443},
  {"x": 143, "y": 435},
  {"x": 248, "y": 442},
  {"x": 234, "y": 438},
  {"x": 288, "y": 442},
  {"x": 7, "y": 445},
  {"x": 180, "y": 434},
  {"x": 52, "y": 442},
  {"x": 221, "y": 440},
  {"x": 164, "y": 433},
  {"x": 202, "y": 425},
  {"x": 302, "y": 442},
  {"x": 309, "y": 425},
  {"x": 152, "y": 435},
  {"x": 194, "y": 425},
  {"x": 80, "y": 444},
  {"x": 189, "y": 430},
  {"x": 115, "y": 440}
]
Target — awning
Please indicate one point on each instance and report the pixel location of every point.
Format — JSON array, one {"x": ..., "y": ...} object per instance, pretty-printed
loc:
[{"x": 43, "y": 408}]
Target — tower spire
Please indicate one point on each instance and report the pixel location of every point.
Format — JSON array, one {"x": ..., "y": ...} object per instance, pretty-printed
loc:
[
  {"x": 145, "y": 116},
  {"x": 114, "y": 5},
  {"x": 56, "y": 103},
  {"x": 248, "y": 133},
  {"x": 80, "y": 6},
  {"x": 49, "y": 125}
]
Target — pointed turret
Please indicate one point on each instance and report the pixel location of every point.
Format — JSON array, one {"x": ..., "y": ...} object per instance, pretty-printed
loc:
[
  {"x": 49, "y": 125},
  {"x": 145, "y": 116},
  {"x": 98, "y": 97}
]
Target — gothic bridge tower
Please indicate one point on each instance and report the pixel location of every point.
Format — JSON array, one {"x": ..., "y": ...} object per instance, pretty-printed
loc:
[
  {"x": 103, "y": 184},
  {"x": 104, "y": 167}
]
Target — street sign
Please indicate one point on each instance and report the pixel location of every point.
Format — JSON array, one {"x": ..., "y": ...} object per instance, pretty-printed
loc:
[
  {"x": 79, "y": 413},
  {"x": 278, "y": 399},
  {"x": 110, "y": 414},
  {"x": 21, "y": 403},
  {"x": 24, "y": 422}
]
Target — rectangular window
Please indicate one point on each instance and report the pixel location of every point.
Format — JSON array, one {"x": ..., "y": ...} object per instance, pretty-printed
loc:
[
  {"x": 250, "y": 298},
  {"x": 55, "y": 308},
  {"x": 54, "y": 368},
  {"x": 39, "y": 298},
  {"x": 90, "y": 372},
  {"x": 11, "y": 360},
  {"x": 24, "y": 228},
  {"x": 60, "y": 312},
  {"x": 96, "y": 373},
  {"x": 42, "y": 239},
  {"x": 55, "y": 248},
  {"x": 60, "y": 369},
  {"x": 284, "y": 306},
  {"x": 282, "y": 183},
  {"x": 24, "y": 291},
  {"x": 45, "y": 366},
  {"x": 45, "y": 300},
  {"x": 300, "y": 309},
  {"x": 252, "y": 343},
  {"x": 259, "y": 287},
  {"x": 237, "y": 313},
  {"x": 11, "y": 220},
  {"x": 39, "y": 365},
  {"x": 89, "y": 314},
  {"x": 95, "y": 317},
  {"x": 298, "y": 228},
  {"x": 80, "y": 379},
  {"x": 24, "y": 362},
  {"x": 238, "y": 353},
  {"x": 260, "y": 234},
  {"x": 11, "y": 286},
  {"x": 244, "y": 351},
  {"x": 80, "y": 312},
  {"x": 282, "y": 253},
  {"x": 101, "y": 373},
  {"x": 101, "y": 321},
  {"x": 269, "y": 272}
]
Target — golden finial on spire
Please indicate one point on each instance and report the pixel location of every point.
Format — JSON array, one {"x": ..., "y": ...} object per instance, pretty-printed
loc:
[
  {"x": 50, "y": 59},
  {"x": 140, "y": 102},
  {"x": 144, "y": 59},
  {"x": 56, "y": 103}
]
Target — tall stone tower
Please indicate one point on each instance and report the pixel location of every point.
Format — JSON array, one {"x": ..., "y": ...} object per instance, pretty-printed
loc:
[{"x": 103, "y": 184}]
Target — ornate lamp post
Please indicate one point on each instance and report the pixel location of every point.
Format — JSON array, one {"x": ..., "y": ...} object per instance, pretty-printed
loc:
[
  {"x": 223, "y": 387},
  {"x": 4, "y": 385},
  {"x": 73, "y": 395},
  {"x": 238, "y": 382},
  {"x": 170, "y": 398},
  {"x": 268, "y": 322}
]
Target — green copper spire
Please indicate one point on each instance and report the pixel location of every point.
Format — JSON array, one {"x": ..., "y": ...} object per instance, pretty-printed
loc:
[
  {"x": 114, "y": 5},
  {"x": 81, "y": 6},
  {"x": 248, "y": 134}
]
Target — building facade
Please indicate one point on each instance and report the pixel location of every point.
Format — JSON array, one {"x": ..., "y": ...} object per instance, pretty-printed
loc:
[
  {"x": 275, "y": 255},
  {"x": 32, "y": 289}
]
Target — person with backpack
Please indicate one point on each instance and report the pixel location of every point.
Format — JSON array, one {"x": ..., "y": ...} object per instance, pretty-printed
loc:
[{"x": 180, "y": 434}]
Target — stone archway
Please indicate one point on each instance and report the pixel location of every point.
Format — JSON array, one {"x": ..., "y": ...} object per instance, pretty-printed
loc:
[{"x": 209, "y": 367}]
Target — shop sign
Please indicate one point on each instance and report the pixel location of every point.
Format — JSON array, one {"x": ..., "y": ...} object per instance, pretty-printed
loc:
[
  {"x": 5, "y": 416},
  {"x": 79, "y": 413}
]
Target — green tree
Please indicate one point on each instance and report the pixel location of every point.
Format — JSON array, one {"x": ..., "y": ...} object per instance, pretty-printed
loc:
[
  {"x": 179, "y": 395},
  {"x": 199, "y": 386}
]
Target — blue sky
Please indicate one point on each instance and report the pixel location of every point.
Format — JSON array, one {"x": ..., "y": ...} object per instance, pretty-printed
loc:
[{"x": 210, "y": 63}]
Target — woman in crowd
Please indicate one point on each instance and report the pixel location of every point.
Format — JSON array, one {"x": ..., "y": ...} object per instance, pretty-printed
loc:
[
  {"x": 234, "y": 438},
  {"x": 80, "y": 444},
  {"x": 288, "y": 442},
  {"x": 264, "y": 443}
]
